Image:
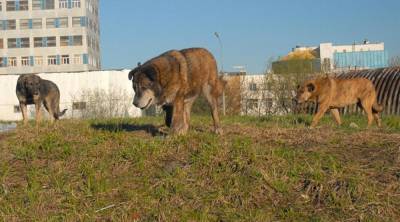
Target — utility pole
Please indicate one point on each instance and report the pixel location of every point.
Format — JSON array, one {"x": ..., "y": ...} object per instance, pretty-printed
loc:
[{"x": 221, "y": 71}]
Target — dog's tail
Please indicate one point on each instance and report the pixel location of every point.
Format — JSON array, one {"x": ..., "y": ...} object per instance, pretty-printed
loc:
[
  {"x": 60, "y": 114},
  {"x": 219, "y": 86},
  {"x": 377, "y": 108}
]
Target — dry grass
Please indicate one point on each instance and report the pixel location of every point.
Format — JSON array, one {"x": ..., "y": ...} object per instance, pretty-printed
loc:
[{"x": 263, "y": 169}]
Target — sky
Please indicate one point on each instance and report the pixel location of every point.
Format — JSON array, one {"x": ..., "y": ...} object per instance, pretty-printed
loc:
[{"x": 252, "y": 32}]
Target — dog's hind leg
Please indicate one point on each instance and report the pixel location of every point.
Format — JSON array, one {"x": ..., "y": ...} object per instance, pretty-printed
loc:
[
  {"x": 48, "y": 106},
  {"x": 336, "y": 115},
  {"x": 38, "y": 105},
  {"x": 187, "y": 109},
  {"x": 213, "y": 103},
  {"x": 368, "y": 110}
]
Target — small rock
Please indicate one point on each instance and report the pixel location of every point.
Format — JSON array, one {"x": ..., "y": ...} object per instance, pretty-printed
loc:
[
  {"x": 8, "y": 127},
  {"x": 354, "y": 126}
]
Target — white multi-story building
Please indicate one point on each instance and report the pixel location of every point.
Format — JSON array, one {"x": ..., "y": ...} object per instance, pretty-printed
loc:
[{"x": 39, "y": 36}]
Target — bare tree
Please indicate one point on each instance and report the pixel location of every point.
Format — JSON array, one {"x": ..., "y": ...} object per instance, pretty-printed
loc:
[
  {"x": 93, "y": 104},
  {"x": 394, "y": 61}
]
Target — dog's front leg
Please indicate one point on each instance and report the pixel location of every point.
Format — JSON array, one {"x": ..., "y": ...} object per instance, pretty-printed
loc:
[
  {"x": 322, "y": 110},
  {"x": 178, "y": 125},
  {"x": 24, "y": 111}
]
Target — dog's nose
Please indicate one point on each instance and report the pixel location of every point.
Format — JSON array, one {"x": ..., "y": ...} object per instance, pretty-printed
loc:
[{"x": 135, "y": 104}]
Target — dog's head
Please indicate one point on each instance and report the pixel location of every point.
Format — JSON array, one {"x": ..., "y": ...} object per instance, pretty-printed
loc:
[
  {"x": 305, "y": 91},
  {"x": 145, "y": 85},
  {"x": 31, "y": 84}
]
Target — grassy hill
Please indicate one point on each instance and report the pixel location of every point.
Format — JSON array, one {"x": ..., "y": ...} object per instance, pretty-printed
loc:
[{"x": 262, "y": 169}]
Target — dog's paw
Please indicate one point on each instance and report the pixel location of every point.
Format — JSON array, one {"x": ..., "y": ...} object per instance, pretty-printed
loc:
[{"x": 219, "y": 131}]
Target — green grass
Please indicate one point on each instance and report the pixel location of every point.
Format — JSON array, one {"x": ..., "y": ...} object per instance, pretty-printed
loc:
[{"x": 262, "y": 169}]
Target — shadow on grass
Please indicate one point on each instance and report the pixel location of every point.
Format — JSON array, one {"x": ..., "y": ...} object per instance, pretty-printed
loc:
[{"x": 124, "y": 127}]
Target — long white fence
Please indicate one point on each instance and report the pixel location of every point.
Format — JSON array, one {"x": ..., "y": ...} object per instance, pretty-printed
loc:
[{"x": 84, "y": 94}]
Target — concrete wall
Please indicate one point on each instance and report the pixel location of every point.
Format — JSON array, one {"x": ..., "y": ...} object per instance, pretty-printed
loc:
[{"x": 72, "y": 87}]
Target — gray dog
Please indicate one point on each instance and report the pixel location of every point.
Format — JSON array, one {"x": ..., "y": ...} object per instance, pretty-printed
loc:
[{"x": 31, "y": 89}]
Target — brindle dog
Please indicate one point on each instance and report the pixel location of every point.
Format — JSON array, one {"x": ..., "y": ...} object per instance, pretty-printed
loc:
[
  {"x": 174, "y": 80},
  {"x": 31, "y": 89}
]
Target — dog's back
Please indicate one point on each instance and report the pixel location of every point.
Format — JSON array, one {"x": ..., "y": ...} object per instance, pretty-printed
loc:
[{"x": 202, "y": 69}]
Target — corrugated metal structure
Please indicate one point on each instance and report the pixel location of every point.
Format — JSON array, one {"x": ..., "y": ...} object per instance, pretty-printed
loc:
[{"x": 387, "y": 85}]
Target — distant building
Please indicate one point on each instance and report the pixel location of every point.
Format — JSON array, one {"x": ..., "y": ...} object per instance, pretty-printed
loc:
[
  {"x": 39, "y": 36},
  {"x": 337, "y": 58}
]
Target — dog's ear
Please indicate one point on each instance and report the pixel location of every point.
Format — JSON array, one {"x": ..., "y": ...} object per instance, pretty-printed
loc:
[
  {"x": 298, "y": 87},
  {"x": 131, "y": 73},
  {"x": 151, "y": 73},
  {"x": 310, "y": 87}
]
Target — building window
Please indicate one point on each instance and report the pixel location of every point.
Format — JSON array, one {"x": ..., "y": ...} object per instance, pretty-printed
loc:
[
  {"x": 269, "y": 102},
  {"x": 1, "y": 6},
  {"x": 12, "y": 43},
  {"x": 23, "y": 5},
  {"x": 38, "y": 60},
  {"x": 12, "y": 61},
  {"x": 78, "y": 105},
  {"x": 24, "y": 24},
  {"x": 76, "y": 3},
  {"x": 44, "y": 42},
  {"x": 252, "y": 104},
  {"x": 253, "y": 87},
  {"x": 51, "y": 23},
  {"x": 64, "y": 40},
  {"x": 51, "y": 60},
  {"x": 51, "y": 41},
  {"x": 1, "y": 44},
  {"x": 2, "y": 62},
  {"x": 37, "y": 23},
  {"x": 38, "y": 42},
  {"x": 11, "y": 6},
  {"x": 77, "y": 59},
  {"x": 65, "y": 59},
  {"x": 63, "y": 22},
  {"x": 24, "y": 43},
  {"x": 77, "y": 40},
  {"x": 49, "y": 4},
  {"x": 76, "y": 21},
  {"x": 43, "y": 4},
  {"x": 17, "y": 109},
  {"x": 36, "y": 4},
  {"x": 11, "y": 25},
  {"x": 63, "y": 4},
  {"x": 25, "y": 61}
]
